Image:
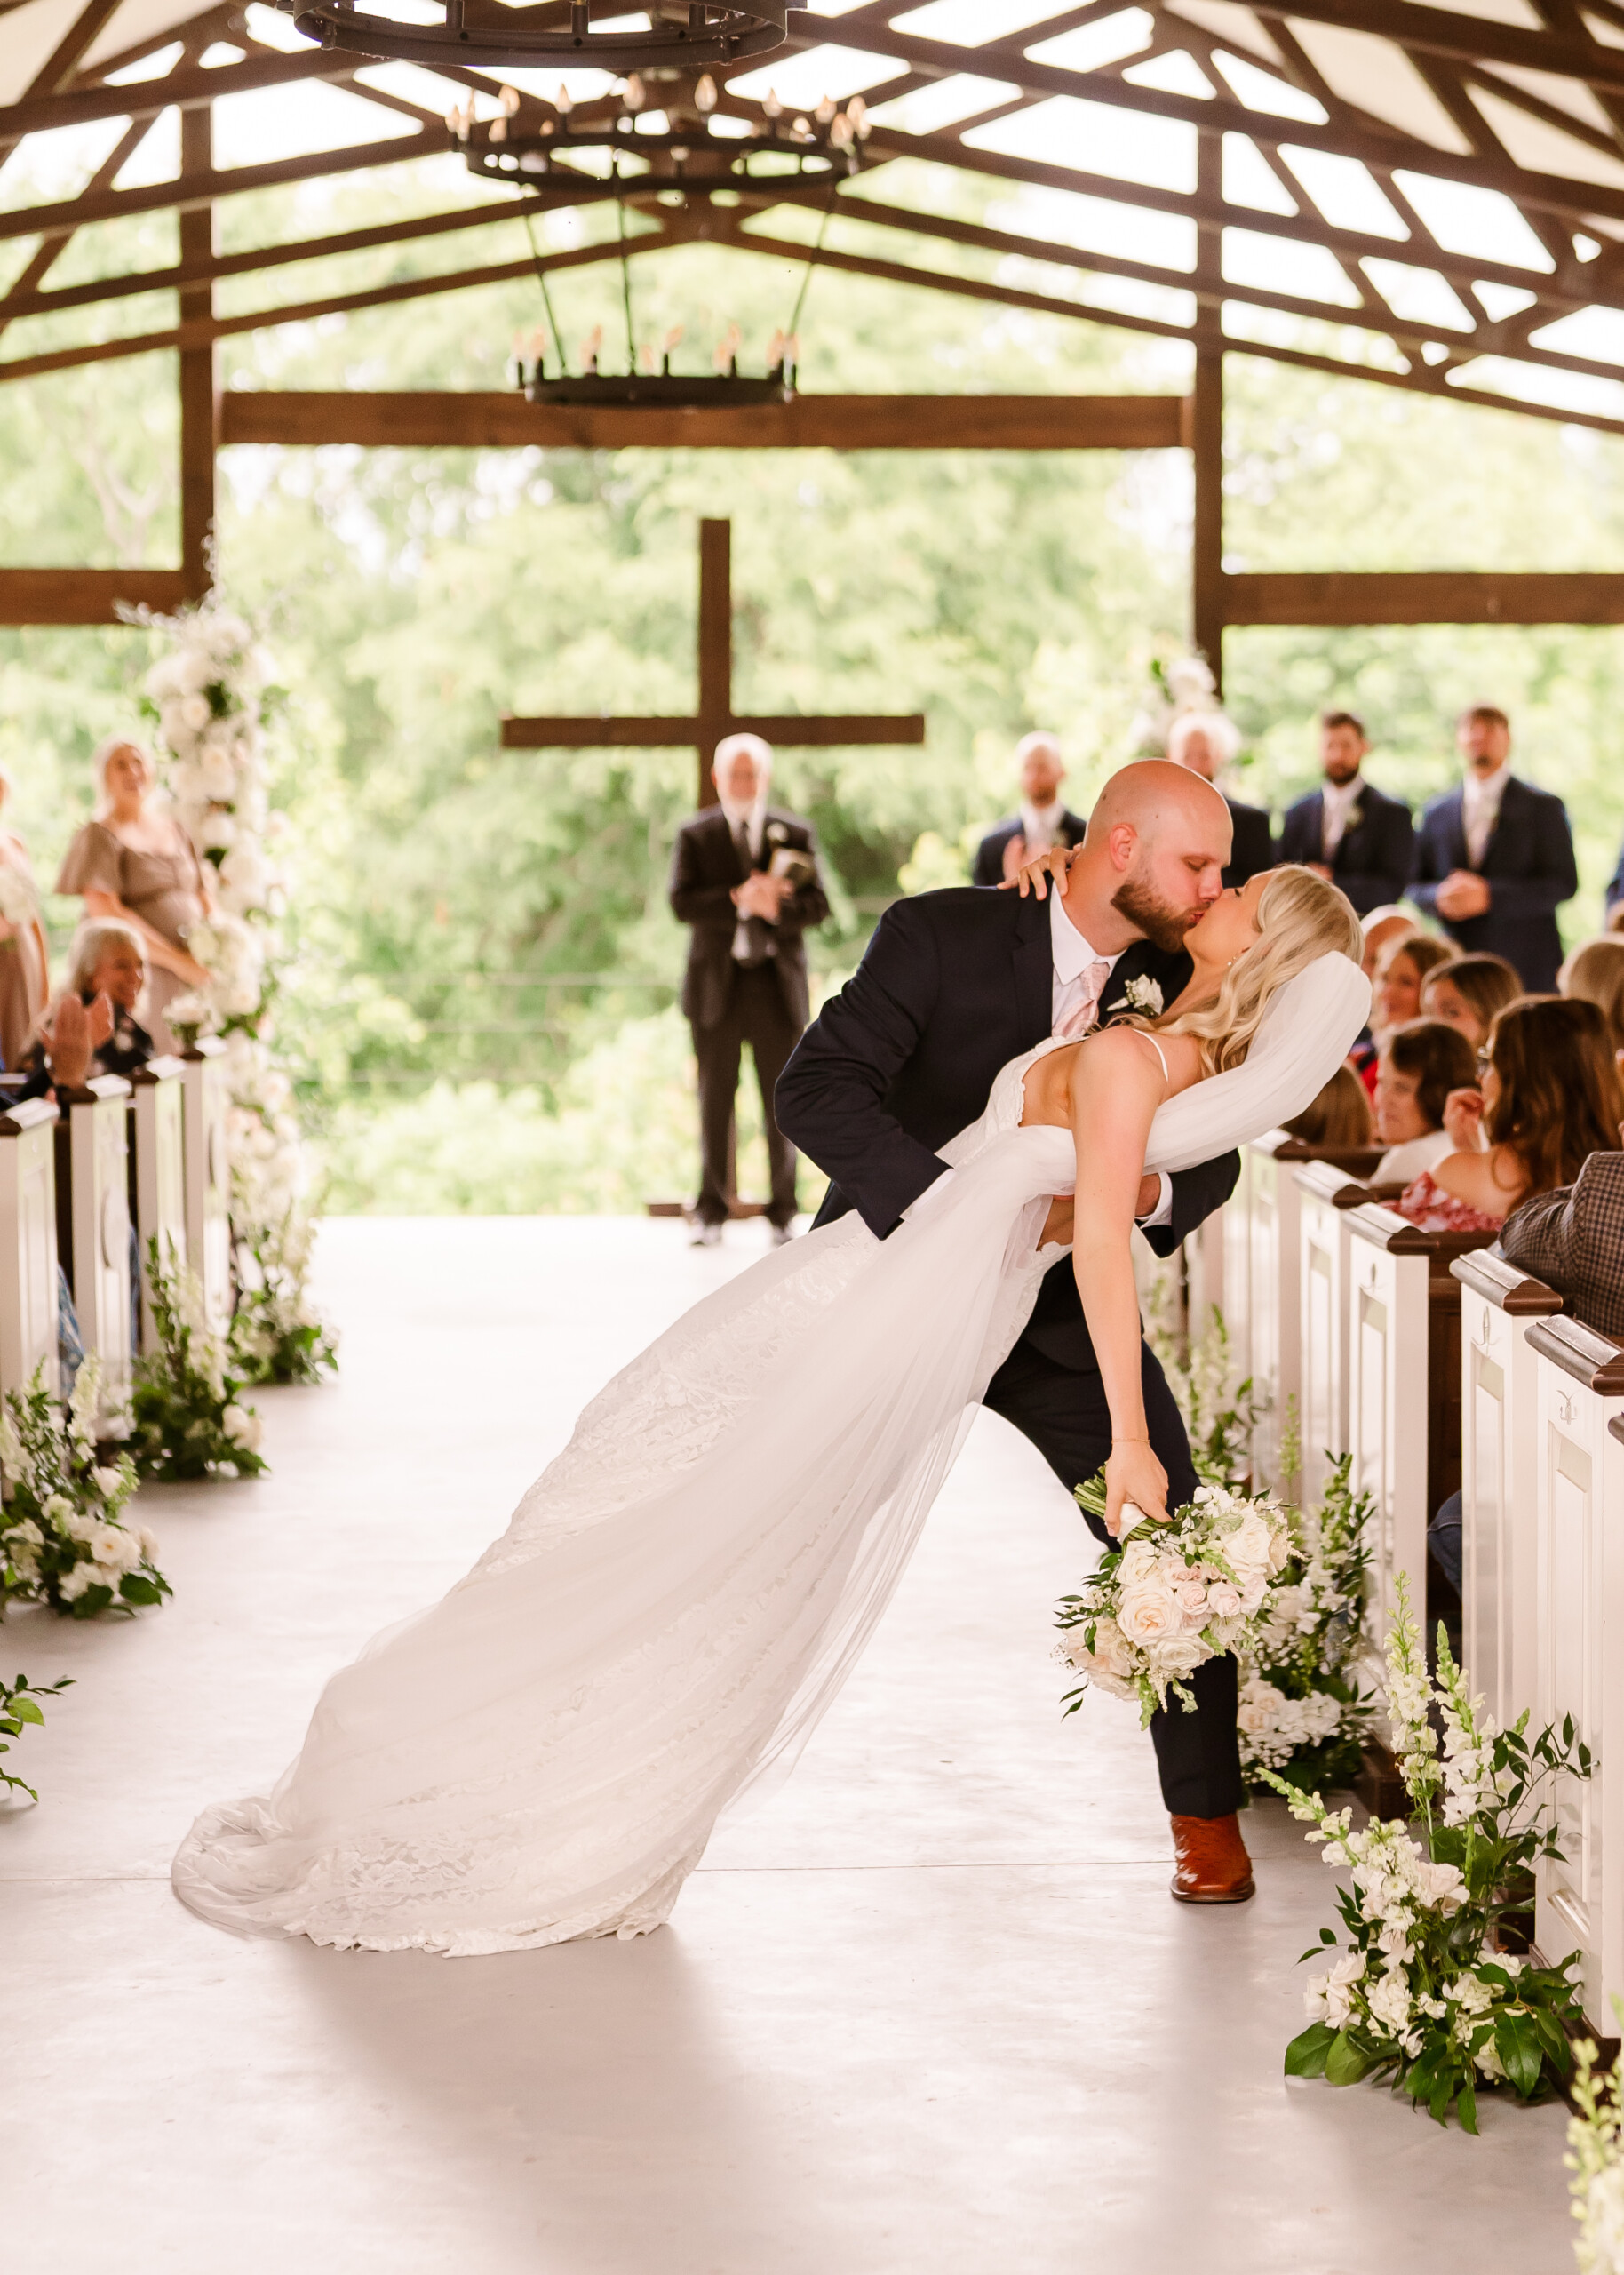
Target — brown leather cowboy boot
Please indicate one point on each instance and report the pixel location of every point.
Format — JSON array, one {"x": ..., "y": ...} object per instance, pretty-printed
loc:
[{"x": 1210, "y": 1861}]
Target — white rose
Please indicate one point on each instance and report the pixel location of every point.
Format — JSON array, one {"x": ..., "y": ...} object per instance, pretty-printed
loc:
[
  {"x": 1252, "y": 1593},
  {"x": 195, "y": 712},
  {"x": 108, "y": 1481},
  {"x": 1149, "y": 1612},
  {"x": 242, "y": 1427},
  {"x": 59, "y": 1506},
  {"x": 73, "y": 1584},
  {"x": 1173, "y": 1656},
  {"x": 1111, "y": 1650},
  {"x": 1223, "y": 1599},
  {"x": 1280, "y": 1550},
  {"x": 1437, "y": 1884},
  {"x": 1246, "y": 1548},
  {"x": 1139, "y": 1561},
  {"x": 194, "y": 669}
]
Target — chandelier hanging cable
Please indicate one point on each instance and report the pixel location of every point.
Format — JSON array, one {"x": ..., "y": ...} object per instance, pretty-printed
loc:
[{"x": 485, "y": 33}]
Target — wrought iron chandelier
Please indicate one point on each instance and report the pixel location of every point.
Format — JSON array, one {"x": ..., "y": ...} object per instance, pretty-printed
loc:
[
  {"x": 661, "y": 131},
  {"x": 498, "y": 37}
]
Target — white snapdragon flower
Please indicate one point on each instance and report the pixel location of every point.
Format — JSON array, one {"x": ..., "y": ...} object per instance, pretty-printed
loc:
[
  {"x": 244, "y": 1427},
  {"x": 1388, "y": 2001},
  {"x": 108, "y": 1481}
]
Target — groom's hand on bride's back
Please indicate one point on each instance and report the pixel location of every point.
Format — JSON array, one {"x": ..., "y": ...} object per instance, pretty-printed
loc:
[{"x": 1034, "y": 876}]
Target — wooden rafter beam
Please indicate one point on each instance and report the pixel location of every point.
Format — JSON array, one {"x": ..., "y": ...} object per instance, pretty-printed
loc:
[
  {"x": 85, "y": 595},
  {"x": 487, "y": 422},
  {"x": 1425, "y": 596},
  {"x": 198, "y": 334},
  {"x": 182, "y": 89},
  {"x": 1464, "y": 38}
]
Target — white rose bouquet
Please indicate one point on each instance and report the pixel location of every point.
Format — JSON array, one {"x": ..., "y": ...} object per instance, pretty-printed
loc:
[{"x": 1170, "y": 1596}]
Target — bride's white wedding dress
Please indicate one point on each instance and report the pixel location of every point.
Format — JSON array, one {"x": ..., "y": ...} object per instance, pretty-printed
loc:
[{"x": 543, "y": 1753}]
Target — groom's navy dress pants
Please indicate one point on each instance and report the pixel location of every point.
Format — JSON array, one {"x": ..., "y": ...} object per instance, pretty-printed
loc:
[{"x": 1063, "y": 1411}]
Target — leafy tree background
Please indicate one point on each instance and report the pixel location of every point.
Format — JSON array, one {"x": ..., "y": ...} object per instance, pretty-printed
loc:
[{"x": 456, "y": 907}]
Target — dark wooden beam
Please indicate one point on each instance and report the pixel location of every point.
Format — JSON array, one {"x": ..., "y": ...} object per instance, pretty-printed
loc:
[
  {"x": 1467, "y": 38},
  {"x": 39, "y": 114},
  {"x": 85, "y": 595},
  {"x": 1426, "y": 596},
  {"x": 233, "y": 181},
  {"x": 483, "y": 421},
  {"x": 199, "y": 393},
  {"x": 786, "y": 729},
  {"x": 66, "y": 58},
  {"x": 1205, "y": 435}
]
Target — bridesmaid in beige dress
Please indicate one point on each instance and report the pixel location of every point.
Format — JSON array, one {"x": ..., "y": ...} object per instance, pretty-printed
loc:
[
  {"x": 25, "y": 979},
  {"x": 136, "y": 862}
]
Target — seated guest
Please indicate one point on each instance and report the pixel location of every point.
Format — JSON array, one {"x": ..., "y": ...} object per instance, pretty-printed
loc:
[
  {"x": 1403, "y": 966},
  {"x": 1339, "y": 1117},
  {"x": 1379, "y": 929},
  {"x": 1466, "y": 992},
  {"x": 106, "y": 970},
  {"x": 1206, "y": 742},
  {"x": 1574, "y": 1240},
  {"x": 1042, "y": 823},
  {"x": 1595, "y": 974},
  {"x": 1549, "y": 1096},
  {"x": 1494, "y": 859},
  {"x": 1350, "y": 833},
  {"x": 1419, "y": 1067}
]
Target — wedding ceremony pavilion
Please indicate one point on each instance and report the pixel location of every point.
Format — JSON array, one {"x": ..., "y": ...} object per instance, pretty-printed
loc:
[{"x": 926, "y": 2003}]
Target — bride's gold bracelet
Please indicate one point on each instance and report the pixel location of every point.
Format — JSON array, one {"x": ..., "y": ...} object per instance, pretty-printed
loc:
[{"x": 1130, "y": 1442}]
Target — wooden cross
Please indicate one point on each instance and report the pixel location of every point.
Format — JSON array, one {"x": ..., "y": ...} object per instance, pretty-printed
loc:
[{"x": 716, "y": 716}]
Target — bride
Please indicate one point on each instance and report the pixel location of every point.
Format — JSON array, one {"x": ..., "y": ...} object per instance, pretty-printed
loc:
[{"x": 543, "y": 1753}]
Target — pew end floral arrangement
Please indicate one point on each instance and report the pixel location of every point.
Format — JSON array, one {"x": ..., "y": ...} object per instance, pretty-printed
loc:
[
  {"x": 1595, "y": 2158},
  {"x": 211, "y": 699},
  {"x": 18, "y": 1706},
  {"x": 187, "y": 1418},
  {"x": 1302, "y": 1713},
  {"x": 1167, "y": 1599},
  {"x": 1420, "y": 1992},
  {"x": 63, "y": 1538}
]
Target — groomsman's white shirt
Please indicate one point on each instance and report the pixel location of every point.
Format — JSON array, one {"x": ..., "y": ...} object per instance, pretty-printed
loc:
[
  {"x": 1480, "y": 810},
  {"x": 1340, "y": 801}
]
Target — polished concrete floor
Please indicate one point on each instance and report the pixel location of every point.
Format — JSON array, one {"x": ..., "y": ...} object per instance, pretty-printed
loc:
[{"x": 928, "y": 2008}]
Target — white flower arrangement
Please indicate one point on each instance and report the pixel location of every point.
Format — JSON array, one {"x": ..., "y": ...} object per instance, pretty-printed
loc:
[
  {"x": 63, "y": 1538},
  {"x": 18, "y": 901},
  {"x": 212, "y": 696},
  {"x": 1301, "y": 1710},
  {"x": 1171, "y": 1596},
  {"x": 1422, "y": 1989},
  {"x": 1595, "y": 2158}
]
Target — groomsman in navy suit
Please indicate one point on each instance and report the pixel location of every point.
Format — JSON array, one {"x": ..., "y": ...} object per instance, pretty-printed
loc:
[
  {"x": 1204, "y": 741},
  {"x": 1350, "y": 832},
  {"x": 1494, "y": 859},
  {"x": 1044, "y": 820}
]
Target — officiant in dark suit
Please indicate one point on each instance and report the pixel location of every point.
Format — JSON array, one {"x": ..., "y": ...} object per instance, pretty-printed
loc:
[
  {"x": 1206, "y": 742},
  {"x": 744, "y": 877},
  {"x": 1351, "y": 833},
  {"x": 1042, "y": 822},
  {"x": 1494, "y": 858},
  {"x": 955, "y": 985}
]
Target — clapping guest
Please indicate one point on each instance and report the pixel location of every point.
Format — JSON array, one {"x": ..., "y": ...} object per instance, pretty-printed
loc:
[
  {"x": 1466, "y": 992},
  {"x": 1494, "y": 859},
  {"x": 135, "y": 863},
  {"x": 1348, "y": 831},
  {"x": 1043, "y": 822},
  {"x": 24, "y": 976},
  {"x": 1206, "y": 742},
  {"x": 1420, "y": 1066},
  {"x": 1595, "y": 974},
  {"x": 1549, "y": 1094},
  {"x": 744, "y": 877}
]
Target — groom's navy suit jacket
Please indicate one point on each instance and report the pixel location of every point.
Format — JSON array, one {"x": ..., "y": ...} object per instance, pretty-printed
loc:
[{"x": 954, "y": 985}]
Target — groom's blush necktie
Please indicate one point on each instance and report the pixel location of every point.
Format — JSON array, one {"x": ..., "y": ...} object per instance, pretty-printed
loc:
[{"x": 1077, "y": 1021}]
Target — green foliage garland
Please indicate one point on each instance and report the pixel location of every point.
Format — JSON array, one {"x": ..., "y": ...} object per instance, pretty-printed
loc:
[
  {"x": 63, "y": 1540},
  {"x": 187, "y": 1421}
]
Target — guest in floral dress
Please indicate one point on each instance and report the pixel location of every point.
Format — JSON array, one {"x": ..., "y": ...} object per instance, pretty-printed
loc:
[
  {"x": 24, "y": 978},
  {"x": 135, "y": 863},
  {"x": 1549, "y": 1096}
]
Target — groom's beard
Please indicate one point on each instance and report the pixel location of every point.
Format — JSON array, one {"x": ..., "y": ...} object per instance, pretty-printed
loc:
[{"x": 1163, "y": 924}]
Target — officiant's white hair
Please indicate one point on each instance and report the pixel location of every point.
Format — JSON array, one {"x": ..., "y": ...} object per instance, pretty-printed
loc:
[{"x": 730, "y": 746}]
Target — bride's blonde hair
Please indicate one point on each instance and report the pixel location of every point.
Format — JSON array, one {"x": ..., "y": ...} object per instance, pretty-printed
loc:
[{"x": 1300, "y": 917}]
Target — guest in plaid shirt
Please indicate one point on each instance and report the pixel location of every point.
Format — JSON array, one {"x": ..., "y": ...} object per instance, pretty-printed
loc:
[{"x": 1574, "y": 1240}]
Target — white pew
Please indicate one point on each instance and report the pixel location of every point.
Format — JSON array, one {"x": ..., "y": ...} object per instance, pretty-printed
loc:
[
  {"x": 98, "y": 1225},
  {"x": 1325, "y": 1244},
  {"x": 1235, "y": 1221},
  {"x": 1404, "y": 1390},
  {"x": 207, "y": 1175},
  {"x": 28, "y": 1244},
  {"x": 157, "y": 1118},
  {"x": 1579, "y": 1511},
  {"x": 1498, "y": 1535}
]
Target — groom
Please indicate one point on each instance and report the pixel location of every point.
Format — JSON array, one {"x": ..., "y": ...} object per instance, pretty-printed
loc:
[{"x": 953, "y": 985}]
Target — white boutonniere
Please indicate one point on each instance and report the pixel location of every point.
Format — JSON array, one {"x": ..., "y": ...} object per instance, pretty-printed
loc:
[
  {"x": 777, "y": 833},
  {"x": 1143, "y": 996},
  {"x": 1355, "y": 815}
]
